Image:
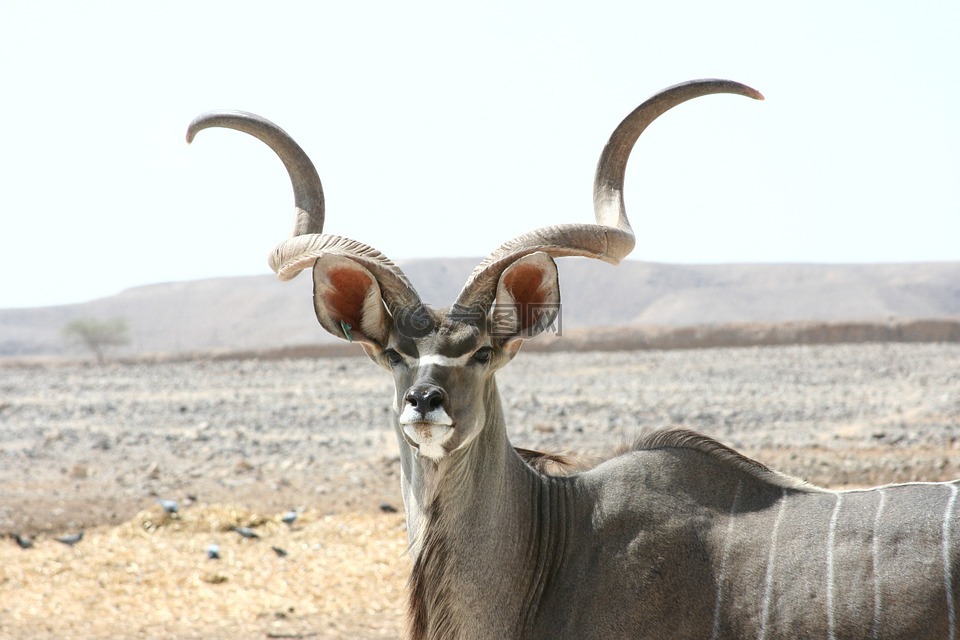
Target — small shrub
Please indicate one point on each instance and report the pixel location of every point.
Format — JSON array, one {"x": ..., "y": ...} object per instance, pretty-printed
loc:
[{"x": 98, "y": 335}]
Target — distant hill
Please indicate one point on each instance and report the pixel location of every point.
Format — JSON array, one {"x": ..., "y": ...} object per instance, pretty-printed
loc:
[{"x": 261, "y": 313}]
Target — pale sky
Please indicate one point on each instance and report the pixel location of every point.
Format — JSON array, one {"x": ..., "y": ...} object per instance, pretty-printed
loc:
[{"x": 441, "y": 130}]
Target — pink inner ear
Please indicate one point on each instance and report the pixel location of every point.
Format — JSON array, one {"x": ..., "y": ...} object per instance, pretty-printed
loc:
[
  {"x": 346, "y": 295},
  {"x": 524, "y": 282}
]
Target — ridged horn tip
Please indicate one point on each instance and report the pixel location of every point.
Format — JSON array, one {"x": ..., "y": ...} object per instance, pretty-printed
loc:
[{"x": 307, "y": 189}]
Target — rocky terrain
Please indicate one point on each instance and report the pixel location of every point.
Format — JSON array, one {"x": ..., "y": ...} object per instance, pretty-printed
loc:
[{"x": 239, "y": 442}]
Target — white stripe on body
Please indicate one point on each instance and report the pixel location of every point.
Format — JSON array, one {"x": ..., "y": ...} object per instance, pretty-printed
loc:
[
  {"x": 947, "y": 572},
  {"x": 723, "y": 563},
  {"x": 877, "y": 604},
  {"x": 831, "y": 539},
  {"x": 945, "y": 483},
  {"x": 768, "y": 583}
]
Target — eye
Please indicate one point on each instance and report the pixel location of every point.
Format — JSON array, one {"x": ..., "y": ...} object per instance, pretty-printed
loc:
[
  {"x": 393, "y": 357},
  {"x": 483, "y": 355}
]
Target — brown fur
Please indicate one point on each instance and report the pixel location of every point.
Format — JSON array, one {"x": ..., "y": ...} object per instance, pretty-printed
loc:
[{"x": 552, "y": 464}]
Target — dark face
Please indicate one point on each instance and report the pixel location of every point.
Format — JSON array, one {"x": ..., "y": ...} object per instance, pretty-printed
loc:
[{"x": 441, "y": 382}]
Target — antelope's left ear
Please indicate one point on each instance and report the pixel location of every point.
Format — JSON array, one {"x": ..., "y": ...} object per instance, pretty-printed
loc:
[{"x": 527, "y": 302}]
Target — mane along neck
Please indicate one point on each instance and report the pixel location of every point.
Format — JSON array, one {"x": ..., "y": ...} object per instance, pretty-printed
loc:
[{"x": 691, "y": 440}]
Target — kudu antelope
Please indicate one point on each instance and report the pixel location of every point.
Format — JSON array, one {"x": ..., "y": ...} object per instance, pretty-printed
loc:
[{"x": 680, "y": 537}]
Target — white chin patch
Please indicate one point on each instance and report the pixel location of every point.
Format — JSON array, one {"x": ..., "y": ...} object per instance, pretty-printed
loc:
[{"x": 429, "y": 431}]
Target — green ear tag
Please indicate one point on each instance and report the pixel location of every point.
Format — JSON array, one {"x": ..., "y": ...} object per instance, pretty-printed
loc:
[{"x": 346, "y": 330}]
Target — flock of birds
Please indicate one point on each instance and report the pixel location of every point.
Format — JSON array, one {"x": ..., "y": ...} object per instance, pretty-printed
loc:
[
  {"x": 172, "y": 509},
  {"x": 26, "y": 542}
]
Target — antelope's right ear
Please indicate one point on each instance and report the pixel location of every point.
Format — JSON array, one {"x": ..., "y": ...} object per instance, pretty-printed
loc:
[{"x": 348, "y": 302}]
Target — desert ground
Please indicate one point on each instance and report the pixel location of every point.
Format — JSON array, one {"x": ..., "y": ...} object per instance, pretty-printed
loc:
[{"x": 238, "y": 443}]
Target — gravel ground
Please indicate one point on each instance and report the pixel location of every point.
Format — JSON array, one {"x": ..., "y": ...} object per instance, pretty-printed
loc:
[
  {"x": 82, "y": 445},
  {"x": 86, "y": 447}
]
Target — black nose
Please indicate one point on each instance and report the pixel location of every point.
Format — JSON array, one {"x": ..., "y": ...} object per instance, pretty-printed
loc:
[{"x": 425, "y": 398}]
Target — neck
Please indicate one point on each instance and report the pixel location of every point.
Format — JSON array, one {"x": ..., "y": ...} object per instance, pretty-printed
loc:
[
  {"x": 469, "y": 482},
  {"x": 478, "y": 522}
]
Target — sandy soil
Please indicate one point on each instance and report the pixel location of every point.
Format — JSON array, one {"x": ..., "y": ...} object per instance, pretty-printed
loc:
[{"x": 239, "y": 443}]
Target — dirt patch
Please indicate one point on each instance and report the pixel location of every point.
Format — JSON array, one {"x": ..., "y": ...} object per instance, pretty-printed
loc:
[{"x": 324, "y": 576}]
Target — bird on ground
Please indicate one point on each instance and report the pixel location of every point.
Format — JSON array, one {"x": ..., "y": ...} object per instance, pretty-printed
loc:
[
  {"x": 290, "y": 517},
  {"x": 24, "y": 542},
  {"x": 213, "y": 551},
  {"x": 169, "y": 506},
  {"x": 279, "y": 551},
  {"x": 246, "y": 532},
  {"x": 71, "y": 539}
]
